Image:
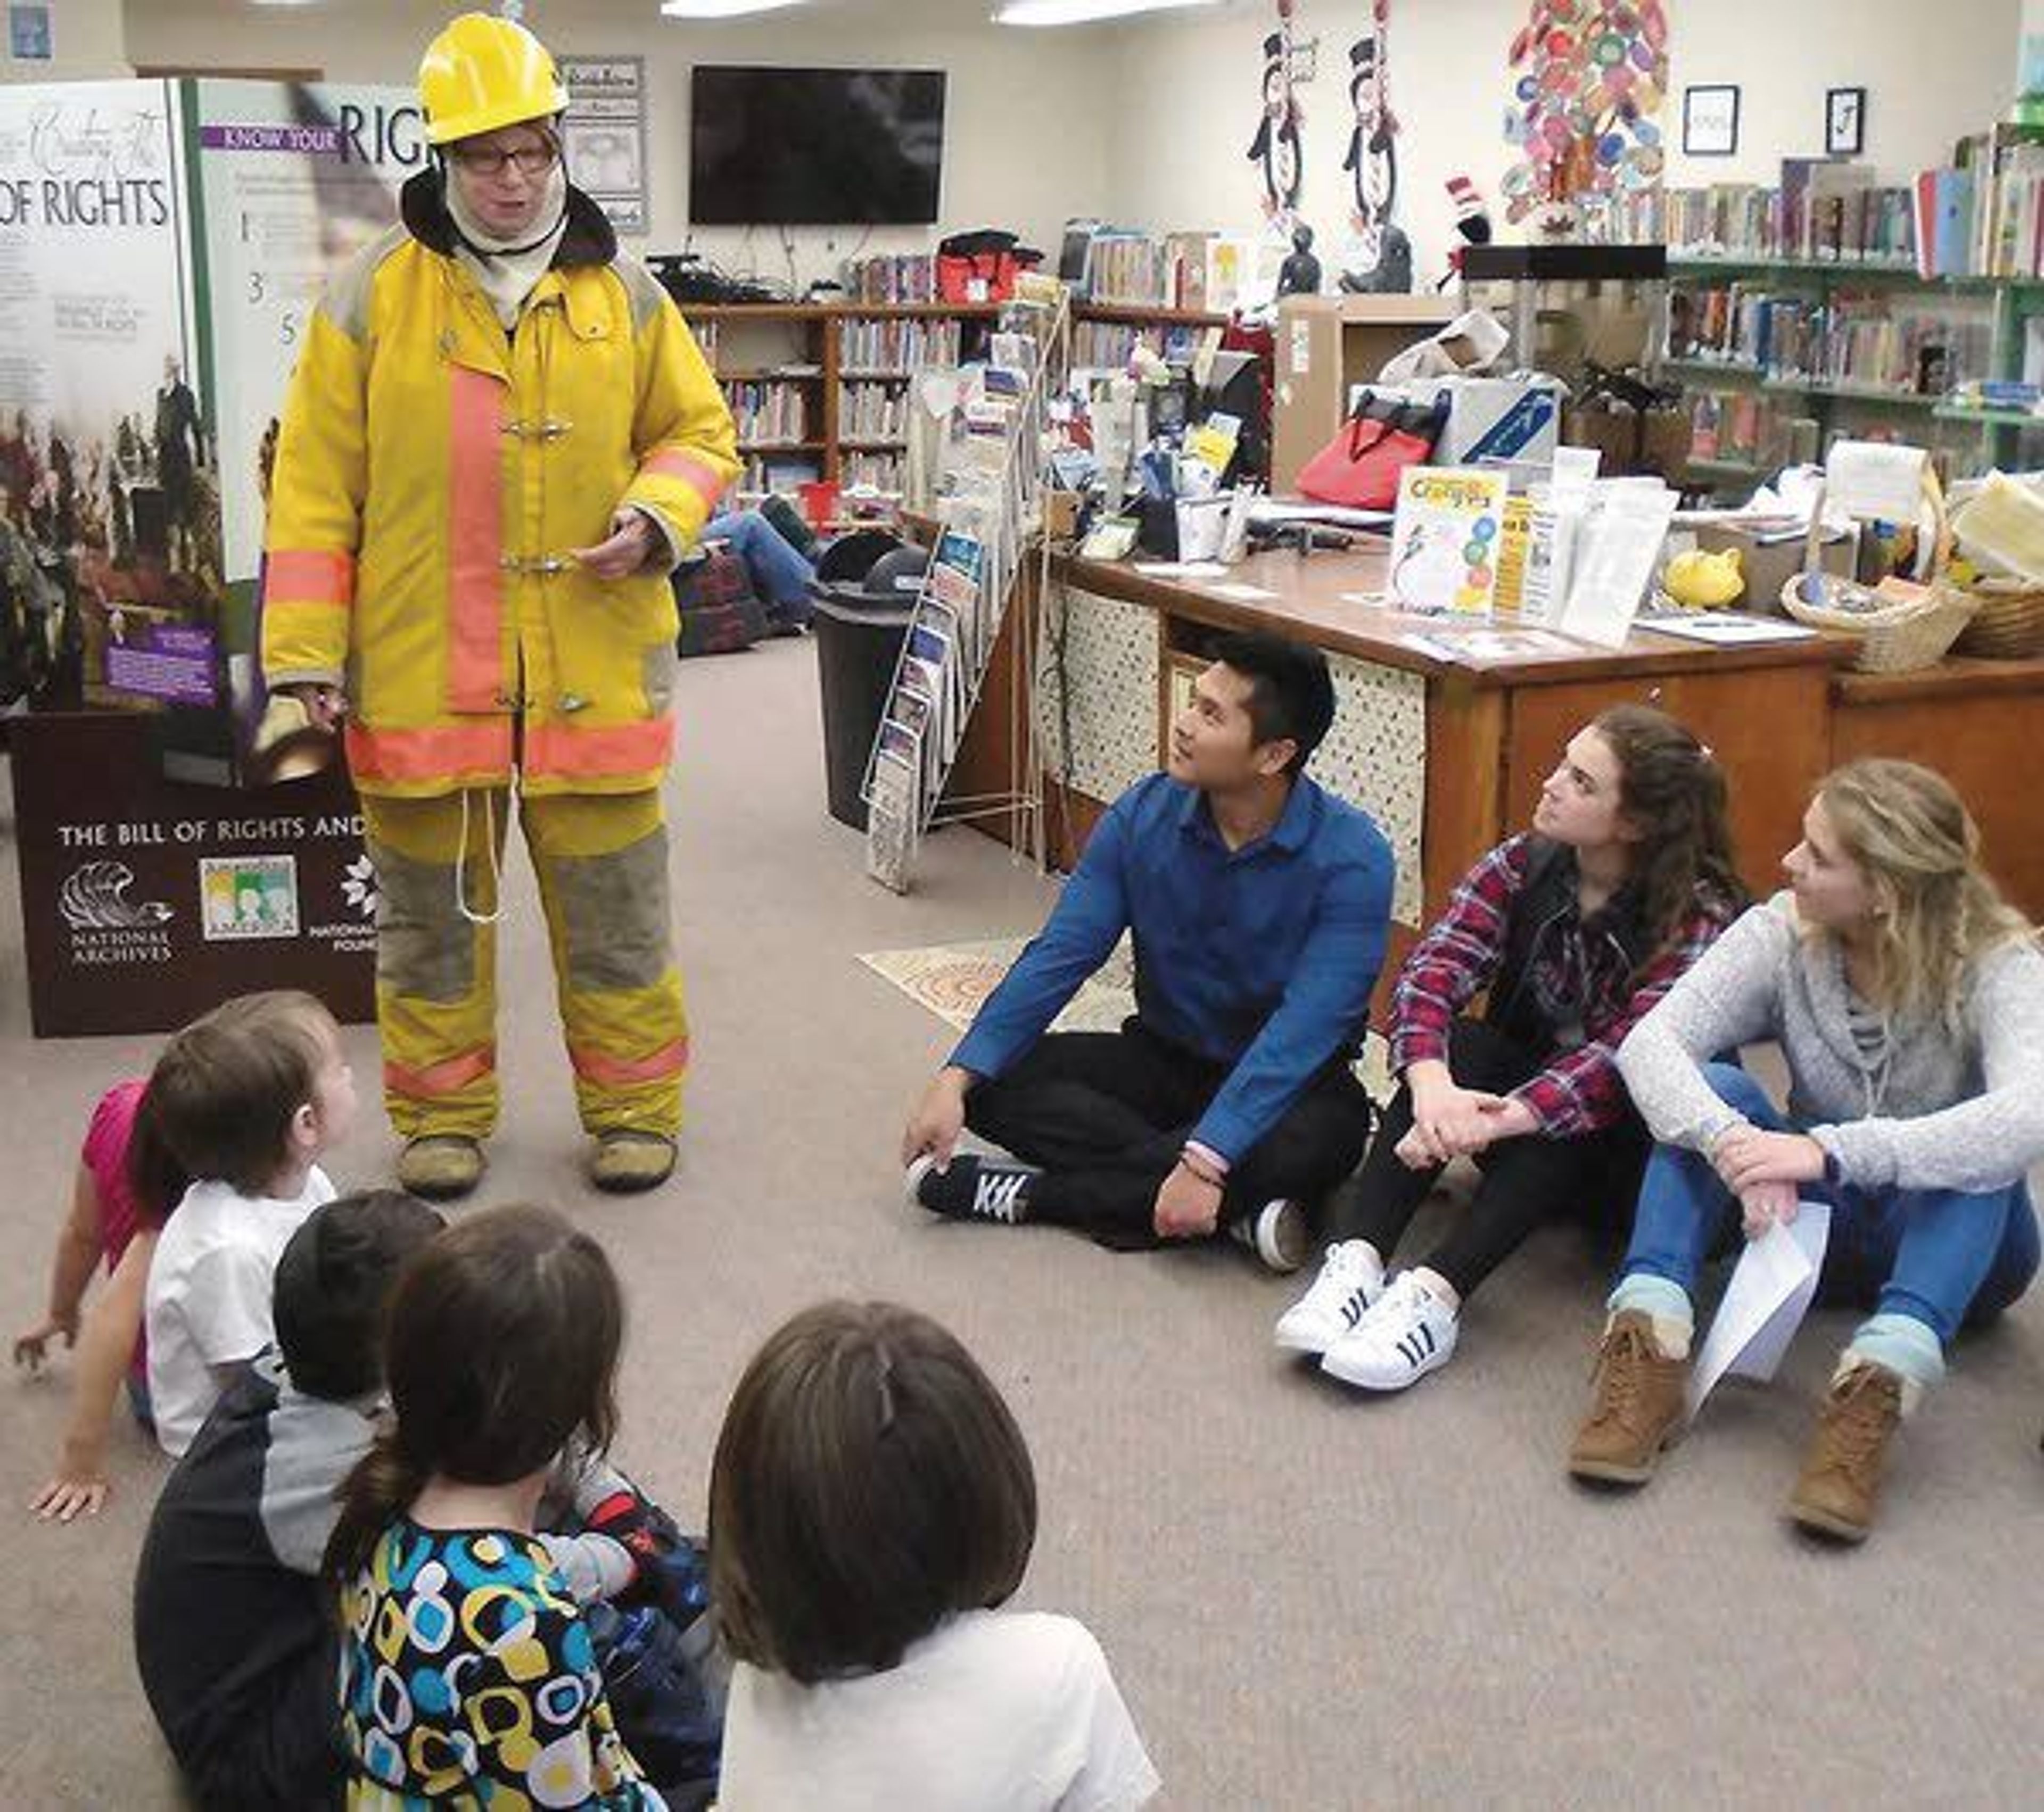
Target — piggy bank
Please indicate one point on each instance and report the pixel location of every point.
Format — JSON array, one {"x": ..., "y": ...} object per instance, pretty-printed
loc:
[{"x": 1698, "y": 580}]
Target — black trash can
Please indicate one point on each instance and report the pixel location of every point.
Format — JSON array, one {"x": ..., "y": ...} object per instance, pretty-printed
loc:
[{"x": 859, "y": 626}]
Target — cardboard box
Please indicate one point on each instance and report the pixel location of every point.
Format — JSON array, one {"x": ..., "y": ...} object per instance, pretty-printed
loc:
[
  {"x": 1769, "y": 564},
  {"x": 1515, "y": 420}
]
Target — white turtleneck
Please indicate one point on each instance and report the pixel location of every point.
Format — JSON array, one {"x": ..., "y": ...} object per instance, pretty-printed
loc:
[{"x": 508, "y": 270}]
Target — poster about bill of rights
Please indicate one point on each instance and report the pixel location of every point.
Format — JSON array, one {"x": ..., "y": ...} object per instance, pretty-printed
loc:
[
  {"x": 108, "y": 544},
  {"x": 290, "y": 181}
]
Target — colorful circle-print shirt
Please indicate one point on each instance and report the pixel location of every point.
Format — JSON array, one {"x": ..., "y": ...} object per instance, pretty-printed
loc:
[{"x": 467, "y": 1680}]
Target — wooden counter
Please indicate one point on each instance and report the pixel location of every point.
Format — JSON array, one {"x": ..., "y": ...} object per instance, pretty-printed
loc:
[
  {"x": 1981, "y": 724},
  {"x": 1496, "y": 715}
]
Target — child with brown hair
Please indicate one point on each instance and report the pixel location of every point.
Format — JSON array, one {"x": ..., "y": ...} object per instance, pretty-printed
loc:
[
  {"x": 246, "y": 1099},
  {"x": 467, "y": 1670},
  {"x": 872, "y": 1508}
]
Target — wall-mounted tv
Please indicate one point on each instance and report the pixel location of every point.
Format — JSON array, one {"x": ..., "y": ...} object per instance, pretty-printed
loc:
[{"x": 814, "y": 147}]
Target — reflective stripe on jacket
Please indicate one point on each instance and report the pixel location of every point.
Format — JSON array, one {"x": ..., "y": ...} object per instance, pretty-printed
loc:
[{"x": 433, "y": 474}]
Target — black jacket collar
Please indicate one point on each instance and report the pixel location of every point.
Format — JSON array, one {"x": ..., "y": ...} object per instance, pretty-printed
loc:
[{"x": 590, "y": 238}]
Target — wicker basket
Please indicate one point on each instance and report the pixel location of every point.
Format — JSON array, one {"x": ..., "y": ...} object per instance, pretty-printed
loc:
[
  {"x": 1905, "y": 627},
  {"x": 2008, "y": 624},
  {"x": 1901, "y": 625}
]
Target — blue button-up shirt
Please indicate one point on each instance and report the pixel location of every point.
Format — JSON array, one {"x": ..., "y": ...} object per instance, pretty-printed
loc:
[{"x": 1261, "y": 958}]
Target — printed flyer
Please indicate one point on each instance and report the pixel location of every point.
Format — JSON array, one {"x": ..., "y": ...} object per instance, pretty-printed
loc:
[{"x": 1446, "y": 540}]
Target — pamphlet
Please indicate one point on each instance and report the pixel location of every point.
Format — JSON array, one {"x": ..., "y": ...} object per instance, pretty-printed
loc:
[{"x": 1445, "y": 539}]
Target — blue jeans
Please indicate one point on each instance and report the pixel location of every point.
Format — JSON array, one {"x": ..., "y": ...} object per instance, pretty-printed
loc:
[
  {"x": 1941, "y": 1257},
  {"x": 780, "y": 575}
]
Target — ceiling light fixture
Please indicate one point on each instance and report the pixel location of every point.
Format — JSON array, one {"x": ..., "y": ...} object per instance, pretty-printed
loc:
[
  {"x": 1084, "y": 12},
  {"x": 721, "y": 8}
]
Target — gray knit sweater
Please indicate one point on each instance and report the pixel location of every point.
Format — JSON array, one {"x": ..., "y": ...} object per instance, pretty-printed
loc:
[{"x": 1925, "y": 1112}]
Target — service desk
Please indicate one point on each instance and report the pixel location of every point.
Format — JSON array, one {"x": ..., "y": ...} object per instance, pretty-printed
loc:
[{"x": 1446, "y": 750}]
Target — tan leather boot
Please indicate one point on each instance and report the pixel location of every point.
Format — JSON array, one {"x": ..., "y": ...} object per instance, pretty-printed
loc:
[
  {"x": 625, "y": 1162},
  {"x": 1840, "y": 1488},
  {"x": 1638, "y": 1406},
  {"x": 439, "y": 1167}
]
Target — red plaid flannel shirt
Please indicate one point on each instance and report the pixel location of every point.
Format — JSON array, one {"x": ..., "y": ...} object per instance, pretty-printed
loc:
[{"x": 1579, "y": 1091}]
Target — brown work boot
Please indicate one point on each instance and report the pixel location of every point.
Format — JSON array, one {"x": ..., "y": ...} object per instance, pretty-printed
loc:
[
  {"x": 1840, "y": 1487},
  {"x": 625, "y": 1162},
  {"x": 1639, "y": 1406},
  {"x": 440, "y": 1167}
]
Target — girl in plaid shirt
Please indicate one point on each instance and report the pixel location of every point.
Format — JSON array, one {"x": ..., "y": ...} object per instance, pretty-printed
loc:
[{"x": 1574, "y": 931}]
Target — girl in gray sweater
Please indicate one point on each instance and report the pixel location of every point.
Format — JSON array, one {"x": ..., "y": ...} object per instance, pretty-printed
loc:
[{"x": 1908, "y": 1001}]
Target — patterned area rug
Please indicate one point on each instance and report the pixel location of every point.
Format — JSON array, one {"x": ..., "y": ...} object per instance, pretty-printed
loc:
[{"x": 952, "y": 981}]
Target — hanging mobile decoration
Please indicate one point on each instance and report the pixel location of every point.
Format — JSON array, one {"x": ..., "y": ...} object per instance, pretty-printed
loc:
[
  {"x": 1589, "y": 79},
  {"x": 1276, "y": 150},
  {"x": 1373, "y": 147}
]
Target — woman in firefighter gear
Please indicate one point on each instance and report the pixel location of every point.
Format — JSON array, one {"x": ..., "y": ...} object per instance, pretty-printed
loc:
[{"x": 499, "y": 439}]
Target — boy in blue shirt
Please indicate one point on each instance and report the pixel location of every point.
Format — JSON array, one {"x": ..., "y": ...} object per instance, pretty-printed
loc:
[{"x": 1258, "y": 905}]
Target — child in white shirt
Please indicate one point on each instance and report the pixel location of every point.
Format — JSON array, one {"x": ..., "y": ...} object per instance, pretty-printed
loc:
[
  {"x": 247, "y": 1098},
  {"x": 872, "y": 1505}
]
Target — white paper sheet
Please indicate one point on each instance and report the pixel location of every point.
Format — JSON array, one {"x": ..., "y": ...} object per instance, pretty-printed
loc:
[{"x": 1764, "y": 1304}]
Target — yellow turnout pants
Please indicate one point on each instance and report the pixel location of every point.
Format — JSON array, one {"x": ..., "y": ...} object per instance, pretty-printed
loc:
[{"x": 602, "y": 861}]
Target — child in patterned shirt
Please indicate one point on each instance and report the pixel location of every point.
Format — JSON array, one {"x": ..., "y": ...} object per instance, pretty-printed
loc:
[{"x": 467, "y": 1671}]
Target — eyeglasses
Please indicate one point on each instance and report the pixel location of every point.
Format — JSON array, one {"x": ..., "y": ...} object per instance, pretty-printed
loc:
[{"x": 487, "y": 160}]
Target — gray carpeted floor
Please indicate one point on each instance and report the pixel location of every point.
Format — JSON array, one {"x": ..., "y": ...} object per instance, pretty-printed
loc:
[{"x": 1312, "y": 1601}]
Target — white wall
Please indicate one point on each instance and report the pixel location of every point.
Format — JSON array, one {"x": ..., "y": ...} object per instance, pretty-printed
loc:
[
  {"x": 86, "y": 37},
  {"x": 1027, "y": 112},
  {"x": 1934, "y": 69},
  {"x": 1149, "y": 123}
]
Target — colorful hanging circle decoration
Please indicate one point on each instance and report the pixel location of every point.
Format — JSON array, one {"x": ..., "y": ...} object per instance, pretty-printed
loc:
[{"x": 1588, "y": 76}]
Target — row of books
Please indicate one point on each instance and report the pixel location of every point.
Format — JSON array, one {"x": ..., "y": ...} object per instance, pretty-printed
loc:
[
  {"x": 1993, "y": 205},
  {"x": 1821, "y": 212},
  {"x": 783, "y": 474},
  {"x": 767, "y": 411},
  {"x": 899, "y": 345},
  {"x": 1851, "y": 342},
  {"x": 1108, "y": 345},
  {"x": 872, "y": 412},
  {"x": 1750, "y": 432},
  {"x": 910, "y": 276},
  {"x": 1749, "y": 428},
  {"x": 885, "y": 473},
  {"x": 1198, "y": 272}
]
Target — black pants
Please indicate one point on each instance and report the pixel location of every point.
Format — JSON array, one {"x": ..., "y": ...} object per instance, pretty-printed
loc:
[
  {"x": 1526, "y": 1182},
  {"x": 288, "y": 1752},
  {"x": 1104, "y": 1115}
]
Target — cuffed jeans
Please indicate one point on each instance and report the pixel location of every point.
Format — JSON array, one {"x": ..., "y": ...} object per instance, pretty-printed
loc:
[{"x": 1944, "y": 1257}]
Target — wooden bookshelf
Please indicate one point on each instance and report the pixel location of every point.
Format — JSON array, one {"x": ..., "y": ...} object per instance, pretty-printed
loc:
[
  {"x": 810, "y": 331},
  {"x": 1145, "y": 314}
]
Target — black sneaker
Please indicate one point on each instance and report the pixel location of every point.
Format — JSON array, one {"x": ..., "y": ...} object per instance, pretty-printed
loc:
[{"x": 974, "y": 1188}]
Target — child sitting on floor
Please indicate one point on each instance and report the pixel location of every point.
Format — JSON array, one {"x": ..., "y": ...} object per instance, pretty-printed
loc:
[
  {"x": 235, "y": 1638},
  {"x": 247, "y": 1098},
  {"x": 232, "y": 1636},
  {"x": 127, "y": 1184},
  {"x": 468, "y": 1669},
  {"x": 872, "y": 1506}
]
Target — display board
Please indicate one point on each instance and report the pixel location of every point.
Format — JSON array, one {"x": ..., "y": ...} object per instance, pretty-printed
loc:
[
  {"x": 288, "y": 181},
  {"x": 107, "y": 491},
  {"x": 146, "y": 902}
]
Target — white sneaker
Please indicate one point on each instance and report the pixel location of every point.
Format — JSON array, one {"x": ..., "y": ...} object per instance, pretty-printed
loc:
[
  {"x": 1352, "y": 1278},
  {"x": 1409, "y": 1333},
  {"x": 1278, "y": 1233}
]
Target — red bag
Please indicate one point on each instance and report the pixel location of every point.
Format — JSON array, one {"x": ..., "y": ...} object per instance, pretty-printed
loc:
[{"x": 1359, "y": 469}]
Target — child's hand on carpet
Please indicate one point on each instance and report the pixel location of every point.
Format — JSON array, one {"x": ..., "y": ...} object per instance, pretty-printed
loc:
[{"x": 76, "y": 1491}]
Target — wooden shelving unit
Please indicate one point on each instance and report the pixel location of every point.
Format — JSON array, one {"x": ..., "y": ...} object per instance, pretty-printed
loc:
[{"x": 810, "y": 331}]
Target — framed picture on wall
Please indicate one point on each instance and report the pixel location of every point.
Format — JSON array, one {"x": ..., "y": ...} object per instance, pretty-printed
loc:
[
  {"x": 1709, "y": 121},
  {"x": 1845, "y": 121}
]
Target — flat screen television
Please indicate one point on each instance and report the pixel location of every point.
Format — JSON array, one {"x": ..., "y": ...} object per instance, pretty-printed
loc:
[{"x": 814, "y": 147}]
